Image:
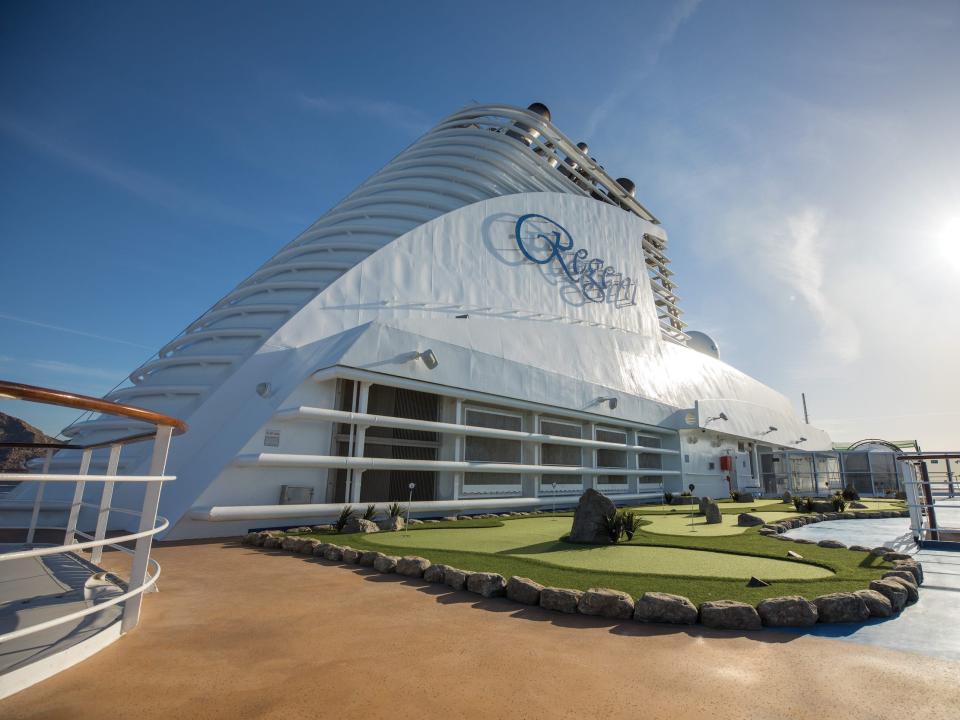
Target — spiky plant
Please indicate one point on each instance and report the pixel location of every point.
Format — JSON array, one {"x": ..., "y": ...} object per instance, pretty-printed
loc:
[
  {"x": 370, "y": 512},
  {"x": 394, "y": 510},
  {"x": 839, "y": 504},
  {"x": 629, "y": 522},
  {"x": 344, "y": 518}
]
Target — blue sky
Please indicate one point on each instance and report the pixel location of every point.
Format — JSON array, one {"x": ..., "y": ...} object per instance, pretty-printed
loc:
[{"x": 803, "y": 157}]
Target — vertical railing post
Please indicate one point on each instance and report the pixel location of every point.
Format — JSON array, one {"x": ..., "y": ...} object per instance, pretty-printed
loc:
[
  {"x": 38, "y": 498},
  {"x": 148, "y": 520},
  {"x": 106, "y": 497},
  {"x": 359, "y": 443},
  {"x": 74, "y": 516},
  {"x": 459, "y": 448}
]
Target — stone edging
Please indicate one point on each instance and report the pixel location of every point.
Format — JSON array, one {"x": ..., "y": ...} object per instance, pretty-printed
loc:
[{"x": 884, "y": 597}]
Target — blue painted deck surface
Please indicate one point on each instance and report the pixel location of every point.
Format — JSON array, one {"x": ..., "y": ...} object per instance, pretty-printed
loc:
[{"x": 932, "y": 625}]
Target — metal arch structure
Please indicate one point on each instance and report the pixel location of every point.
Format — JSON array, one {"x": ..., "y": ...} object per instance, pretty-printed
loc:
[
  {"x": 893, "y": 447},
  {"x": 478, "y": 153}
]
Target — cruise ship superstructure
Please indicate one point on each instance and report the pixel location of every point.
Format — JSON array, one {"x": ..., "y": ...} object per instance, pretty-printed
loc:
[{"x": 490, "y": 321}]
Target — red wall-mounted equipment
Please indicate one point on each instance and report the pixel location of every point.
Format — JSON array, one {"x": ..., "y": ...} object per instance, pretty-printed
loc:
[{"x": 726, "y": 463}]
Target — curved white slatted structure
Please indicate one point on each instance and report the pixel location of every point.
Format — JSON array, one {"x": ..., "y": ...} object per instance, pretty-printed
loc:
[{"x": 478, "y": 153}]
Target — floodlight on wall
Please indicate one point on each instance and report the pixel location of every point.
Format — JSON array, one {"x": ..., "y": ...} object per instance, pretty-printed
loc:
[
  {"x": 801, "y": 440},
  {"x": 429, "y": 359},
  {"x": 767, "y": 431},
  {"x": 611, "y": 401},
  {"x": 721, "y": 416},
  {"x": 264, "y": 390}
]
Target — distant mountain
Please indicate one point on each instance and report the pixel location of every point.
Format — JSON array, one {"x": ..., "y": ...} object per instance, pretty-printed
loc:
[{"x": 13, "y": 429}]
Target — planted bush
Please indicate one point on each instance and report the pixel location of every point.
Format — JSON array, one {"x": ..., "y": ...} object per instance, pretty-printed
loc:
[
  {"x": 393, "y": 510},
  {"x": 344, "y": 518},
  {"x": 370, "y": 512},
  {"x": 850, "y": 493},
  {"x": 839, "y": 504},
  {"x": 803, "y": 504},
  {"x": 668, "y": 497},
  {"x": 620, "y": 524}
]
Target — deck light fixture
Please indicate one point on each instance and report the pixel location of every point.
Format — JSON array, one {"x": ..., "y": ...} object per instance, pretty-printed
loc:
[
  {"x": 429, "y": 359},
  {"x": 721, "y": 416},
  {"x": 611, "y": 401},
  {"x": 801, "y": 440},
  {"x": 264, "y": 389},
  {"x": 767, "y": 431}
]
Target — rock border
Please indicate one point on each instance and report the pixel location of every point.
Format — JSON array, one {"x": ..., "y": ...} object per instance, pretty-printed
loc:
[{"x": 897, "y": 588}]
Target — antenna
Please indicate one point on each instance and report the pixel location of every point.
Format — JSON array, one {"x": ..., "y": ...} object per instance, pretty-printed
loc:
[{"x": 806, "y": 418}]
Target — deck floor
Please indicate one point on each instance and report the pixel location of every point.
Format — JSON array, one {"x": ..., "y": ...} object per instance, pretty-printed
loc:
[
  {"x": 33, "y": 590},
  {"x": 242, "y": 632}
]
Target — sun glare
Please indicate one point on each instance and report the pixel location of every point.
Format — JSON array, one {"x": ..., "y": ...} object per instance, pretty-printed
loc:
[{"x": 948, "y": 240}]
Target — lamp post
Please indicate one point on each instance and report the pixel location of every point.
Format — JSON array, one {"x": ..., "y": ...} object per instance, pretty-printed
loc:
[
  {"x": 554, "y": 486},
  {"x": 409, "y": 502}
]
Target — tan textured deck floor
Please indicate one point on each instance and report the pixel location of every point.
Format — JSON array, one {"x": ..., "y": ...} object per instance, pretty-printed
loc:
[{"x": 243, "y": 633}]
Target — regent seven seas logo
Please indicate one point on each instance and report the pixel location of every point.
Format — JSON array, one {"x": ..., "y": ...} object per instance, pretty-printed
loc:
[{"x": 545, "y": 241}]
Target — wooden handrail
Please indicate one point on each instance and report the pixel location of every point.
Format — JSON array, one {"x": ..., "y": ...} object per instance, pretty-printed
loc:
[{"x": 19, "y": 391}]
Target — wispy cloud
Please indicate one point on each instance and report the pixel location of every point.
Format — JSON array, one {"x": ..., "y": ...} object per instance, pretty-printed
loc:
[
  {"x": 137, "y": 183},
  {"x": 387, "y": 112},
  {"x": 651, "y": 49},
  {"x": 63, "y": 368},
  {"x": 72, "y": 331}
]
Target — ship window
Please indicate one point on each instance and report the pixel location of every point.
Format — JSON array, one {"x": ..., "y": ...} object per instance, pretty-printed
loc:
[
  {"x": 492, "y": 450},
  {"x": 610, "y": 458},
  {"x": 552, "y": 454}
]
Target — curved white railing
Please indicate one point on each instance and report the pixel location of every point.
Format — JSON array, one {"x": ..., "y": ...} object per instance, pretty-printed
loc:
[{"x": 141, "y": 578}]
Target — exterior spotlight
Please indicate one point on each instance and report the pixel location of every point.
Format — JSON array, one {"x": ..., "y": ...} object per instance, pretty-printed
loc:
[
  {"x": 264, "y": 390},
  {"x": 721, "y": 416},
  {"x": 611, "y": 401},
  {"x": 801, "y": 440},
  {"x": 768, "y": 431},
  {"x": 429, "y": 359}
]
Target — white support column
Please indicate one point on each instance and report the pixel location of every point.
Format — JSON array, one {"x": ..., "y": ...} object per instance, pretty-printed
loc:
[
  {"x": 359, "y": 441},
  {"x": 68, "y": 537},
  {"x": 758, "y": 479},
  {"x": 38, "y": 499},
  {"x": 536, "y": 454},
  {"x": 148, "y": 520},
  {"x": 590, "y": 481},
  {"x": 873, "y": 485},
  {"x": 351, "y": 434},
  {"x": 459, "y": 450},
  {"x": 106, "y": 497},
  {"x": 633, "y": 462}
]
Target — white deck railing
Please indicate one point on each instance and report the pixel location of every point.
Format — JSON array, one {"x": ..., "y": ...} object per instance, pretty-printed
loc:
[{"x": 144, "y": 570}]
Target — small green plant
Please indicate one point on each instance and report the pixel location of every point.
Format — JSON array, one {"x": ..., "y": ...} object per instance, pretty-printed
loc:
[
  {"x": 394, "y": 510},
  {"x": 850, "y": 493},
  {"x": 630, "y": 524},
  {"x": 686, "y": 493},
  {"x": 621, "y": 523},
  {"x": 370, "y": 513},
  {"x": 344, "y": 518},
  {"x": 668, "y": 497},
  {"x": 803, "y": 504},
  {"x": 735, "y": 496},
  {"x": 839, "y": 504}
]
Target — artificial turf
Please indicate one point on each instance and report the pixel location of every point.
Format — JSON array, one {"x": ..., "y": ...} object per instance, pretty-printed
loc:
[{"x": 533, "y": 548}]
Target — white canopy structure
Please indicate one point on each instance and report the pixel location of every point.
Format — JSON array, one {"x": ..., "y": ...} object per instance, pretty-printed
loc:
[{"x": 490, "y": 318}]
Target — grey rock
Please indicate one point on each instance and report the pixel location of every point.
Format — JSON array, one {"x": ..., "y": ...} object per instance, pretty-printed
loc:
[
  {"x": 291, "y": 544},
  {"x": 841, "y": 607},
  {"x": 412, "y": 566},
  {"x": 272, "y": 542},
  {"x": 804, "y": 541},
  {"x": 702, "y": 505},
  {"x": 748, "y": 520},
  {"x": 879, "y": 551},
  {"x": 787, "y": 497},
  {"x": 891, "y": 556},
  {"x": 359, "y": 525},
  {"x": 859, "y": 548},
  {"x": 606, "y": 603},
  {"x": 831, "y": 544},
  {"x": 524, "y": 590},
  {"x": 712, "y": 514},
  {"x": 893, "y": 591},
  {"x": 746, "y": 497},
  {"x": 729, "y": 615},
  {"x": 308, "y": 547},
  {"x": 588, "y": 518},
  {"x": 368, "y": 557},
  {"x": 451, "y": 518},
  {"x": 486, "y": 584},
  {"x": 912, "y": 593},
  {"x": 857, "y": 505},
  {"x": 414, "y": 521},
  {"x": 392, "y": 523},
  {"x": 322, "y": 528},
  {"x": 250, "y": 538},
  {"x": 386, "y": 563},
  {"x": 351, "y": 556},
  {"x": 435, "y": 573},
  {"x": 912, "y": 566},
  {"x": 560, "y": 599},
  {"x": 902, "y": 573},
  {"x": 877, "y": 603},
  {"x": 333, "y": 553},
  {"x": 822, "y": 506},
  {"x": 664, "y": 608},
  {"x": 456, "y": 579},
  {"x": 787, "y": 611}
]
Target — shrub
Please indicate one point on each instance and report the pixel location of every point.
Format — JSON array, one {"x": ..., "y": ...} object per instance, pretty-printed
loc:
[
  {"x": 850, "y": 493},
  {"x": 370, "y": 512},
  {"x": 668, "y": 498},
  {"x": 630, "y": 524},
  {"x": 345, "y": 516},
  {"x": 803, "y": 504},
  {"x": 621, "y": 523},
  {"x": 900, "y": 495},
  {"x": 686, "y": 493},
  {"x": 393, "y": 510},
  {"x": 839, "y": 504},
  {"x": 735, "y": 495}
]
